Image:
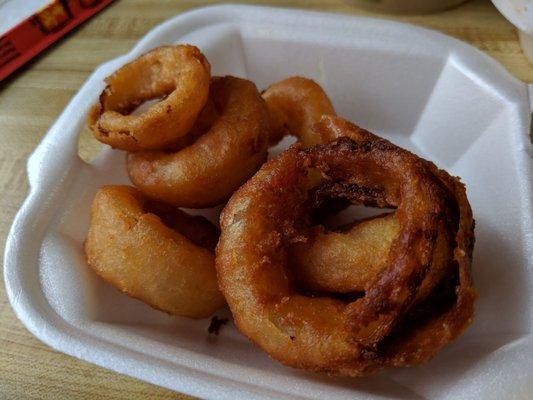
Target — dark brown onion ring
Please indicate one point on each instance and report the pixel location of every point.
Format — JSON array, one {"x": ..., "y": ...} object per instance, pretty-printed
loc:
[{"x": 268, "y": 214}]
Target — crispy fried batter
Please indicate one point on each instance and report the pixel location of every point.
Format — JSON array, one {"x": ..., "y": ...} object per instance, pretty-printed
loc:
[
  {"x": 180, "y": 75},
  {"x": 295, "y": 104},
  {"x": 343, "y": 262},
  {"x": 207, "y": 172},
  {"x": 195, "y": 228},
  {"x": 348, "y": 260},
  {"x": 392, "y": 324},
  {"x": 153, "y": 258}
]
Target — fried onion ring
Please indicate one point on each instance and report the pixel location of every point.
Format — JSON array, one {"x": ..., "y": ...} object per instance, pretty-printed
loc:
[
  {"x": 343, "y": 261},
  {"x": 390, "y": 325},
  {"x": 207, "y": 172},
  {"x": 349, "y": 260},
  {"x": 295, "y": 104},
  {"x": 180, "y": 75},
  {"x": 165, "y": 260},
  {"x": 330, "y": 261}
]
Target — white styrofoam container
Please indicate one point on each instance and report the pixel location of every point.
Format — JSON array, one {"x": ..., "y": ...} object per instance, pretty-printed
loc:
[{"x": 425, "y": 91}]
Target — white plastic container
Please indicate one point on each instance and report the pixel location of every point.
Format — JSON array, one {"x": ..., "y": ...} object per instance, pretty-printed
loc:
[{"x": 425, "y": 91}]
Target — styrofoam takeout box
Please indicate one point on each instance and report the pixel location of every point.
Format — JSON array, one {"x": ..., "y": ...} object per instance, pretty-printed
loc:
[{"x": 434, "y": 95}]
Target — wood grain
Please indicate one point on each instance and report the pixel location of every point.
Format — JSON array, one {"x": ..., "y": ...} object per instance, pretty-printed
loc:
[{"x": 32, "y": 99}]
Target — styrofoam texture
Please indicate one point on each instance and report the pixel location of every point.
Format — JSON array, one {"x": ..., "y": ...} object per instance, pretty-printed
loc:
[{"x": 425, "y": 91}]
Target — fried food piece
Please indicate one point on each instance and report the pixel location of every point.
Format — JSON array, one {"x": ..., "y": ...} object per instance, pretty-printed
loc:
[
  {"x": 158, "y": 260},
  {"x": 178, "y": 75},
  {"x": 343, "y": 262},
  {"x": 207, "y": 172},
  {"x": 295, "y": 104},
  {"x": 194, "y": 227},
  {"x": 390, "y": 325},
  {"x": 332, "y": 261},
  {"x": 348, "y": 260}
]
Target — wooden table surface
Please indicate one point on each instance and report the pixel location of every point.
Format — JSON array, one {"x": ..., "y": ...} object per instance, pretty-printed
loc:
[{"x": 32, "y": 99}]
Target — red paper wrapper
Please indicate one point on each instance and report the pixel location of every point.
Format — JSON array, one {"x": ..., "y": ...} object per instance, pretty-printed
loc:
[{"x": 39, "y": 31}]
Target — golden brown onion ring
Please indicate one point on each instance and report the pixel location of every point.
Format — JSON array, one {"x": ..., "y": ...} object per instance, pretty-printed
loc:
[
  {"x": 180, "y": 75},
  {"x": 343, "y": 261},
  {"x": 160, "y": 261},
  {"x": 205, "y": 173},
  {"x": 387, "y": 326},
  {"x": 295, "y": 104},
  {"x": 349, "y": 260}
]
